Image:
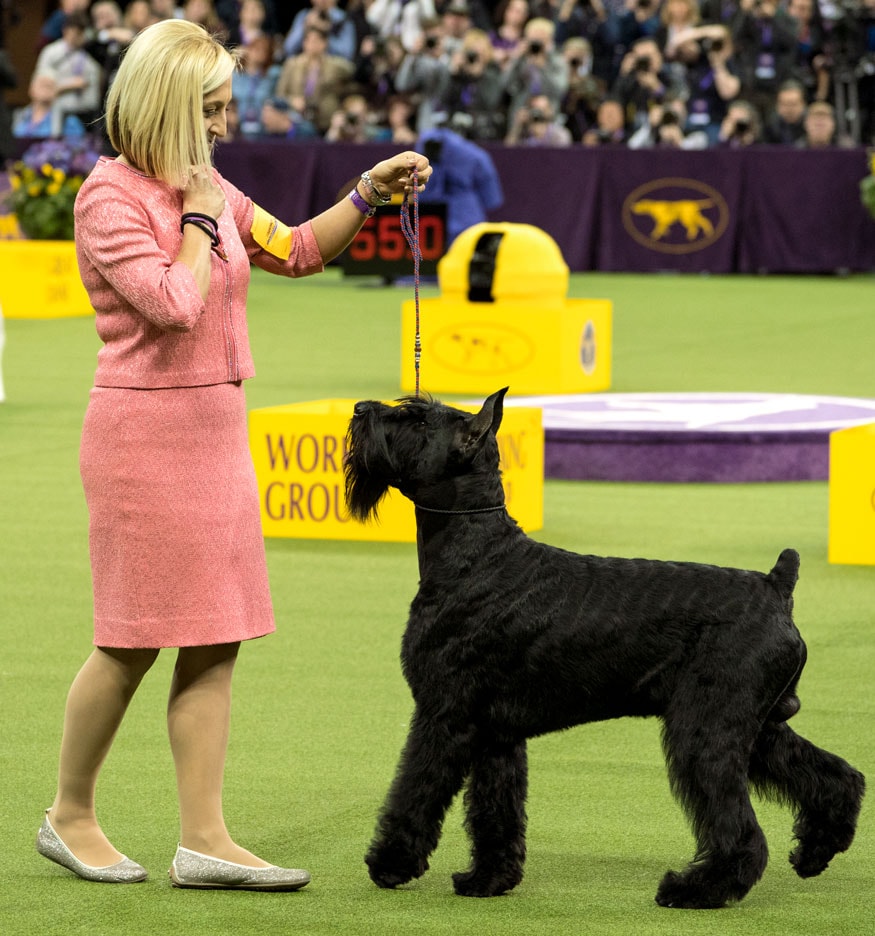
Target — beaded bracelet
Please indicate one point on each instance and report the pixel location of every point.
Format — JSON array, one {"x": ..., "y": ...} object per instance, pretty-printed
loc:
[
  {"x": 369, "y": 183},
  {"x": 366, "y": 209}
]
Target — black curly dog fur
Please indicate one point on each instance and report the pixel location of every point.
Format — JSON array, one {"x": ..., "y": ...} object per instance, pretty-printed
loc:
[{"x": 509, "y": 638}]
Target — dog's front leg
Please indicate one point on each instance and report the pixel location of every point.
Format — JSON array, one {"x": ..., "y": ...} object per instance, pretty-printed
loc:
[
  {"x": 495, "y": 804},
  {"x": 433, "y": 766}
]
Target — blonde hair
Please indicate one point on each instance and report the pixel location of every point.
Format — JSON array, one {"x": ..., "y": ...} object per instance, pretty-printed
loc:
[{"x": 154, "y": 109}]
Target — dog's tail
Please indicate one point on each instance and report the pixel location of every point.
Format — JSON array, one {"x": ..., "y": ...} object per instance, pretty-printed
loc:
[{"x": 785, "y": 574}]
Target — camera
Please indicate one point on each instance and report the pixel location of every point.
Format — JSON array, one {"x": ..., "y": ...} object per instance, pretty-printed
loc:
[
  {"x": 472, "y": 57},
  {"x": 352, "y": 120},
  {"x": 537, "y": 116},
  {"x": 669, "y": 119},
  {"x": 431, "y": 42},
  {"x": 742, "y": 126},
  {"x": 536, "y": 47},
  {"x": 575, "y": 63},
  {"x": 642, "y": 64},
  {"x": 712, "y": 45}
]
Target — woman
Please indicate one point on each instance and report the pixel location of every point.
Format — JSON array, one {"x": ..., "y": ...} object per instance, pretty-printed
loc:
[{"x": 164, "y": 245}]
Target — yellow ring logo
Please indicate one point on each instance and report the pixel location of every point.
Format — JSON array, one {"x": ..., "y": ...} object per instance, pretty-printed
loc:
[
  {"x": 481, "y": 348},
  {"x": 675, "y": 216}
]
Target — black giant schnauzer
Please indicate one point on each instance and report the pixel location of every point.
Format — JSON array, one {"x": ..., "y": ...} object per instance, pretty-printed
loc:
[{"x": 509, "y": 638}]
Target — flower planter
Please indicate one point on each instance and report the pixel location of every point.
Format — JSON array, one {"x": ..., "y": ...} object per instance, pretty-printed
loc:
[{"x": 40, "y": 279}]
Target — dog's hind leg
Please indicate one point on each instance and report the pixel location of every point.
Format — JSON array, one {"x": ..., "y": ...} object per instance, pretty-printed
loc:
[
  {"x": 434, "y": 763},
  {"x": 823, "y": 790},
  {"x": 707, "y": 759},
  {"x": 495, "y": 803}
]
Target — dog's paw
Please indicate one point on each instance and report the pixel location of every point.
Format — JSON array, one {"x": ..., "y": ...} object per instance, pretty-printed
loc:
[
  {"x": 391, "y": 868},
  {"x": 678, "y": 892},
  {"x": 477, "y": 883}
]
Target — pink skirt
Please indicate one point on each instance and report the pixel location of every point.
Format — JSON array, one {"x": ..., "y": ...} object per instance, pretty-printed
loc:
[{"x": 177, "y": 554}]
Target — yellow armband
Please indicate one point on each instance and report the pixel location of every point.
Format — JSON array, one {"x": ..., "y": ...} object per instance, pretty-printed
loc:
[{"x": 274, "y": 236}]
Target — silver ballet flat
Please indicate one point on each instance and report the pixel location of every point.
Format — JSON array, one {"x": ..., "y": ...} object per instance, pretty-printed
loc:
[
  {"x": 50, "y": 845},
  {"x": 192, "y": 869}
]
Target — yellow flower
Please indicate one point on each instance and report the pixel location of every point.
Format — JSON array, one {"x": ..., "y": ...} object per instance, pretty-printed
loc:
[
  {"x": 33, "y": 190},
  {"x": 15, "y": 182},
  {"x": 59, "y": 175},
  {"x": 47, "y": 169},
  {"x": 53, "y": 188}
]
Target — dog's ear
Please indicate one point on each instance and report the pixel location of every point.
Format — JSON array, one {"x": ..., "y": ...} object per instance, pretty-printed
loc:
[{"x": 489, "y": 417}]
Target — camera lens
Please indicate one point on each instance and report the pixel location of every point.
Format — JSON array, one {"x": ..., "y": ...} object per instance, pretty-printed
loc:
[
  {"x": 642, "y": 64},
  {"x": 742, "y": 126},
  {"x": 471, "y": 56},
  {"x": 431, "y": 42},
  {"x": 536, "y": 47}
]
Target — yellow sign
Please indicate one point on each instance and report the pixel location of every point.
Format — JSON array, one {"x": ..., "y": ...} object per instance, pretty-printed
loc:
[
  {"x": 298, "y": 451},
  {"x": 40, "y": 279},
  {"x": 852, "y": 495},
  {"x": 503, "y": 318}
]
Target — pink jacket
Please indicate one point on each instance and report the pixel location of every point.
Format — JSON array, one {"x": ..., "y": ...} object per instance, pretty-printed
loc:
[{"x": 156, "y": 329}]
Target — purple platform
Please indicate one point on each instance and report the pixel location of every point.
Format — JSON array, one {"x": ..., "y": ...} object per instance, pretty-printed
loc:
[{"x": 693, "y": 437}]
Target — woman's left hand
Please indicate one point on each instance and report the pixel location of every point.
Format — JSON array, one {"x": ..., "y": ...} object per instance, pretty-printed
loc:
[{"x": 395, "y": 176}]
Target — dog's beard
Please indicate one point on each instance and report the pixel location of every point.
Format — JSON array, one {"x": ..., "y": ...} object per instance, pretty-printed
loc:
[{"x": 367, "y": 468}]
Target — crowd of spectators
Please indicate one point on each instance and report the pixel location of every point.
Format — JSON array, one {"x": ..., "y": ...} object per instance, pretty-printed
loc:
[{"x": 690, "y": 74}]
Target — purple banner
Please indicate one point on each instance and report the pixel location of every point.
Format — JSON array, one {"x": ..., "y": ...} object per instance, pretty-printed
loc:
[{"x": 766, "y": 209}]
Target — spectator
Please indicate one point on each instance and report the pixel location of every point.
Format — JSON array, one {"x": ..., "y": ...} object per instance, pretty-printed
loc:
[
  {"x": 314, "y": 81},
  {"x": 247, "y": 22},
  {"x": 785, "y": 126},
  {"x": 203, "y": 12},
  {"x": 50, "y": 31},
  {"x": 811, "y": 66},
  {"x": 254, "y": 83},
  {"x": 643, "y": 80},
  {"x": 456, "y": 18},
  {"x": 706, "y": 57},
  {"x": 676, "y": 18},
  {"x": 167, "y": 9},
  {"x": 42, "y": 117},
  {"x": 280, "y": 120},
  {"x": 403, "y": 18},
  {"x": 666, "y": 128},
  {"x": 400, "y": 120},
  {"x": 326, "y": 15},
  {"x": 537, "y": 68},
  {"x": 820, "y": 128},
  {"x": 352, "y": 122},
  {"x": 536, "y": 124},
  {"x": 507, "y": 38},
  {"x": 377, "y": 68},
  {"x": 464, "y": 177},
  {"x": 765, "y": 37},
  {"x": 741, "y": 126},
  {"x": 425, "y": 72},
  {"x": 639, "y": 19},
  {"x": 139, "y": 14},
  {"x": 585, "y": 91},
  {"x": 610, "y": 128},
  {"x": 476, "y": 87},
  {"x": 78, "y": 77},
  {"x": 109, "y": 38},
  {"x": 721, "y": 12}
]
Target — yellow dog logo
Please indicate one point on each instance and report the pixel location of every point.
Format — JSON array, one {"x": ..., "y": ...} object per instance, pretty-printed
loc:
[
  {"x": 686, "y": 215},
  {"x": 666, "y": 213}
]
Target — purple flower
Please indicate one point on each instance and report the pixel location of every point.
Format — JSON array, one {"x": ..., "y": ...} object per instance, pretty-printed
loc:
[{"x": 73, "y": 157}]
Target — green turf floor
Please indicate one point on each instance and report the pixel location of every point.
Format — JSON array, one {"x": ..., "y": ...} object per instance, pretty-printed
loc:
[{"x": 321, "y": 706}]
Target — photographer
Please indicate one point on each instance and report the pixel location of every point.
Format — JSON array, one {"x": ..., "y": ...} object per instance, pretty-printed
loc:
[
  {"x": 425, "y": 72},
  {"x": 536, "y": 125},
  {"x": 610, "y": 128},
  {"x": 643, "y": 80},
  {"x": 638, "y": 20},
  {"x": 765, "y": 37},
  {"x": 325, "y": 15},
  {"x": 705, "y": 57},
  {"x": 476, "y": 87},
  {"x": 666, "y": 128},
  {"x": 585, "y": 90},
  {"x": 352, "y": 122},
  {"x": 740, "y": 127},
  {"x": 536, "y": 68}
]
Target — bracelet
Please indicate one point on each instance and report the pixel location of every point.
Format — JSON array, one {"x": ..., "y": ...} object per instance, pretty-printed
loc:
[
  {"x": 366, "y": 209},
  {"x": 196, "y": 222},
  {"x": 369, "y": 183}
]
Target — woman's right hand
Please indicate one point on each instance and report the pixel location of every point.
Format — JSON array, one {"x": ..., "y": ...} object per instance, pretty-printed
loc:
[{"x": 202, "y": 194}]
